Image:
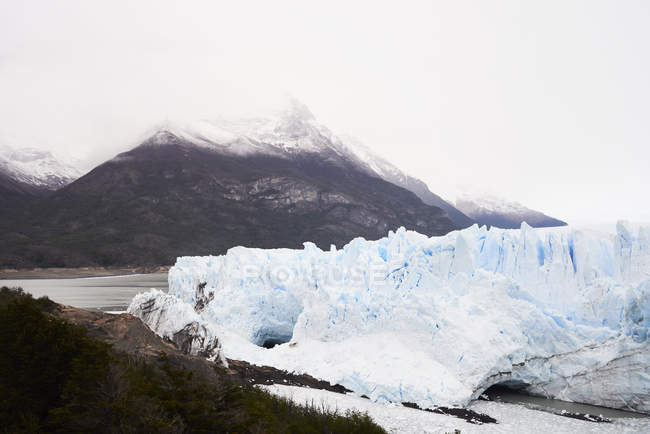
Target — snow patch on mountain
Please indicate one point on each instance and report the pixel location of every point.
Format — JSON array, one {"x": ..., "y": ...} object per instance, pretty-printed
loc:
[
  {"x": 435, "y": 321},
  {"x": 494, "y": 210},
  {"x": 287, "y": 131},
  {"x": 375, "y": 163},
  {"x": 36, "y": 167},
  {"x": 488, "y": 202}
]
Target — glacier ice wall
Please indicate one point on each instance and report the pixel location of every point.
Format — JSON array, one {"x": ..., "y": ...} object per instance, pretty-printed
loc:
[{"x": 436, "y": 321}]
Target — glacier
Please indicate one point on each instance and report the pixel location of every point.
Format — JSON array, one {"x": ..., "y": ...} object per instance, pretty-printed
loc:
[{"x": 557, "y": 312}]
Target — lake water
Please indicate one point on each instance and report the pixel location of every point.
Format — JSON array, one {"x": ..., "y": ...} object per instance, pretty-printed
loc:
[
  {"x": 113, "y": 293},
  {"x": 556, "y": 406}
]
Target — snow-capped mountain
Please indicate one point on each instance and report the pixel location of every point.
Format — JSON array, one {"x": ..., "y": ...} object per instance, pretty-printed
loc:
[
  {"x": 36, "y": 168},
  {"x": 557, "y": 312},
  {"x": 270, "y": 181},
  {"x": 293, "y": 130},
  {"x": 289, "y": 130},
  {"x": 492, "y": 210},
  {"x": 275, "y": 179}
]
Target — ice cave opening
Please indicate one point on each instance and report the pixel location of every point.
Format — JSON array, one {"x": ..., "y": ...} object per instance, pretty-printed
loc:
[
  {"x": 271, "y": 342},
  {"x": 268, "y": 337},
  {"x": 504, "y": 389}
]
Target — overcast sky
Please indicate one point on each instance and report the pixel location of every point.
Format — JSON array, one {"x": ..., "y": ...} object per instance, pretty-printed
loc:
[{"x": 543, "y": 102}]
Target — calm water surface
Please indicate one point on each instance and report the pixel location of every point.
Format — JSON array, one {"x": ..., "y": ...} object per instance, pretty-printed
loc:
[
  {"x": 557, "y": 406},
  {"x": 113, "y": 293}
]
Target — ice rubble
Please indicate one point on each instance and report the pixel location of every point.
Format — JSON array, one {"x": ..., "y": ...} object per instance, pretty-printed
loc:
[{"x": 436, "y": 321}]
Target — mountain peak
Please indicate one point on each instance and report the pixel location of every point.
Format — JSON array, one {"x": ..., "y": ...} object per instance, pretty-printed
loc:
[
  {"x": 296, "y": 109},
  {"x": 288, "y": 130},
  {"x": 291, "y": 129},
  {"x": 496, "y": 211},
  {"x": 163, "y": 136},
  {"x": 36, "y": 167}
]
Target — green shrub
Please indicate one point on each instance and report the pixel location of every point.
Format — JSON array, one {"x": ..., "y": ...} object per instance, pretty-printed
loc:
[
  {"x": 46, "y": 363},
  {"x": 278, "y": 414}
]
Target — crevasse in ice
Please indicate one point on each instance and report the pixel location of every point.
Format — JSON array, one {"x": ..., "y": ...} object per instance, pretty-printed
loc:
[{"x": 560, "y": 312}]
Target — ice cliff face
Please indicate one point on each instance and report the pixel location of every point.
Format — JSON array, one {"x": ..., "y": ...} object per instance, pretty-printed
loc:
[{"x": 435, "y": 321}]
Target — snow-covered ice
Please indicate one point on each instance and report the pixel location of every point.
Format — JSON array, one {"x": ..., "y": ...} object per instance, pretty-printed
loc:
[
  {"x": 512, "y": 418},
  {"x": 434, "y": 321}
]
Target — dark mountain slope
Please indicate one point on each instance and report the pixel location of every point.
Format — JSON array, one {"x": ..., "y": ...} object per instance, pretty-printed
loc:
[
  {"x": 14, "y": 193},
  {"x": 376, "y": 165},
  {"x": 505, "y": 214},
  {"x": 169, "y": 197},
  {"x": 535, "y": 219},
  {"x": 422, "y": 191}
]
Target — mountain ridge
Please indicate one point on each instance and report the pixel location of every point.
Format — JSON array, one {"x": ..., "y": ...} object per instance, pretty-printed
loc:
[
  {"x": 28, "y": 174},
  {"x": 273, "y": 180},
  {"x": 36, "y": 167},
  {"x": 495, "y": 211},
  {"x": 293, "y": 130},
  {"x": 169, "y": 197}
]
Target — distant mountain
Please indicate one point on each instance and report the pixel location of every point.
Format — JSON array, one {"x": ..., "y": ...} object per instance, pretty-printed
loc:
[
  {"x": 28, "y": 174},
  {"x": 379, "y": 166},
  {"x": 15, "y": 193},
  {"x": 294, "y": 130},
  {"x": 466, "y": 210},
  {"x": 270, "y": 181},
  {"x": 494, "y": 211},
  {"x": 36, "y": 168}
]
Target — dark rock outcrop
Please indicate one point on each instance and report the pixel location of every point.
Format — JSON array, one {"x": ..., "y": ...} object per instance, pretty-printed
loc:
[{"x": 193, "y": 339}]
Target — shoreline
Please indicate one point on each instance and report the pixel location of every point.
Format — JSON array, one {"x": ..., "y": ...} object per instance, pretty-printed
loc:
[{"x": 81, "y": 272}]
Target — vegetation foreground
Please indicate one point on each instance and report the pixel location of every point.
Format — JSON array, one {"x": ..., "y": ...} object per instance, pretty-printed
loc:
[{"x": 54, "y": 377}]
